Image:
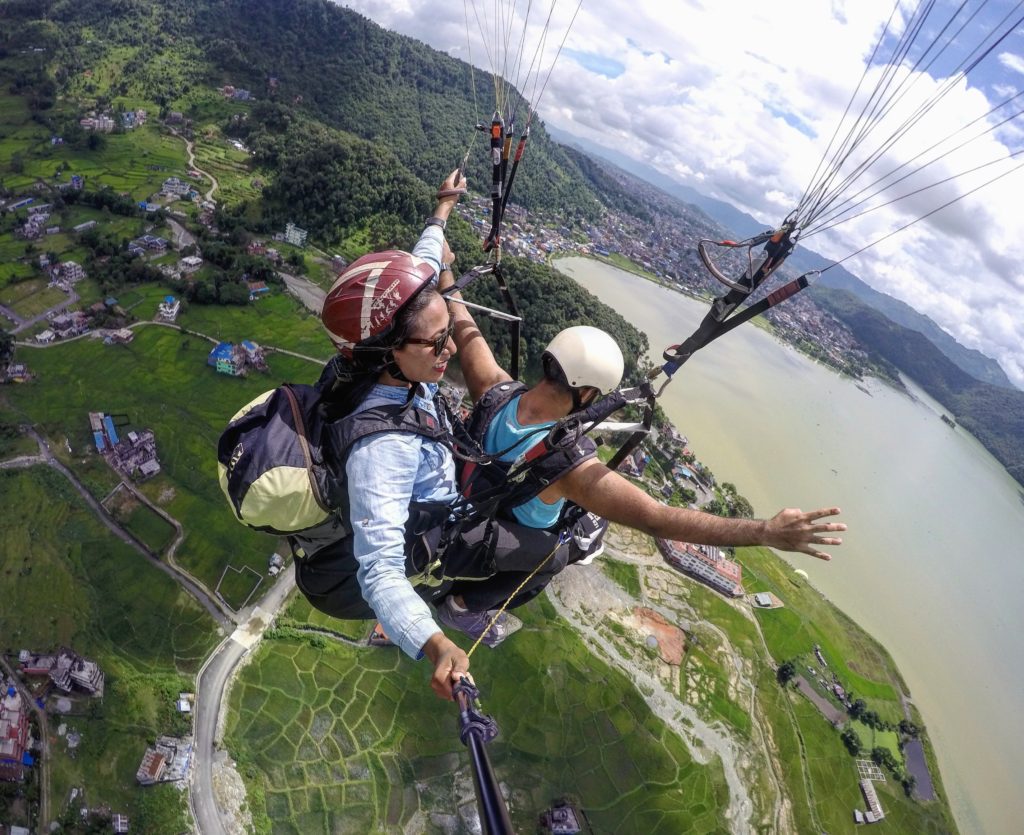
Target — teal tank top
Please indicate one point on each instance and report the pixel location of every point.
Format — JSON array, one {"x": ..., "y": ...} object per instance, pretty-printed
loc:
[{"x": 506, "y": 431}]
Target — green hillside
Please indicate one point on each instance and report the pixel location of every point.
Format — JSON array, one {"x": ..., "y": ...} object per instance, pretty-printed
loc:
[{"x": 994, "y": 414}]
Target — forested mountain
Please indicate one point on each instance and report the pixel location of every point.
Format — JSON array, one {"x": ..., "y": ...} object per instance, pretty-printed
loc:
[
  {"x": 995, "y": 415},
  {"x": 740, "y": 224}
]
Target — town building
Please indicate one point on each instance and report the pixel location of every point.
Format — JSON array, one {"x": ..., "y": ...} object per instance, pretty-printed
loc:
[
  {"x": 704, "y": 563},
  {"x": 151, "y": 768},
  {"x": 294, "y": 235},
  {"x": 89, "y": 224},
  {"x": 103, "y": 123},
  {"x": 15, "y": 373},
  {"x": 189, "y": 264},
  {"x": 121, "y": 336},
  {"x": 635, "y": 463},
  {"x": 167, "y": 761},
  {"x": 67, "y": 325},
  {"x": 120, "y": 823},
  {"x": 151, "y": 242},
  {"x": 874, "y": 812},
  {"x": 134, "y": 455},
  {"x": 14, "y": 734},
  {"x": 175, "y": 187},
  {"x": 257, "y": 289},
  {"x": 72, "y": 272},
  {"x": 66, "y": 669},
  {"x": 168, "y": 309},
  {"x": 236, "y": 360},
  {"x": 562, "y": 819},
  {"x": 763, "y": 599}
]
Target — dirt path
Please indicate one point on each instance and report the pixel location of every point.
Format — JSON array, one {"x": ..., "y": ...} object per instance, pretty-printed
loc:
[{"x": 190, "y": 148}]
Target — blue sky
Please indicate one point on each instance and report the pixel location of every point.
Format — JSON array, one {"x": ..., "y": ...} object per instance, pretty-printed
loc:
[{"x": 739, "y": 101}]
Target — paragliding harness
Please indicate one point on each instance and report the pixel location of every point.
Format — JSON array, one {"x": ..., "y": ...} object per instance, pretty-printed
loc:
[{"x": 508, "y": 484}]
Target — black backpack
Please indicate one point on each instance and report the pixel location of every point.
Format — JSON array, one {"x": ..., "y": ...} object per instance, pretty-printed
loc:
[{"x": 281, "y": 463}]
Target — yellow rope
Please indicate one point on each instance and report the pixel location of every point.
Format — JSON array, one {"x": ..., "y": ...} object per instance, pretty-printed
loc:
[{"x": 504, "y": 605}]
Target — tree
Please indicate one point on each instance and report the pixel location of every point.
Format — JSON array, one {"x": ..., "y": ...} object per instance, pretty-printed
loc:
[
  {"x": 908, "y": 728},
  {"x": 6, "y": 346},
  {"x": 851, "y": 741},
  {"x": 786, "y": 672}
]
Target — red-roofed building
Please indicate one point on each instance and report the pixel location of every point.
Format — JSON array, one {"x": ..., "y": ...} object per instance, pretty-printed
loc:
[
  {"x": 13, "y": 734},
  {"x": 151, "y": 768},
  {"x": 706, "y": 564}
]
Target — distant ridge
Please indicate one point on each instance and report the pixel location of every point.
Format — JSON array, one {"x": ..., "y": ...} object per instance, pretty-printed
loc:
[{"x": 973, "y": 362}]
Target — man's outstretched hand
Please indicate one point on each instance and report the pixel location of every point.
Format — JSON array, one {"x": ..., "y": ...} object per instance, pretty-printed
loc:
[{"x": 794, "y": 530}]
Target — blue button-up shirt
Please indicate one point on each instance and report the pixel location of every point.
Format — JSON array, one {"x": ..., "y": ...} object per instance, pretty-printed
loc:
[{"x": 385, "y": 473}]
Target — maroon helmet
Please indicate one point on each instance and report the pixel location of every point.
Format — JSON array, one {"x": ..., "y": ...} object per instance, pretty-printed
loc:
[{"x": 362, "y": 305}]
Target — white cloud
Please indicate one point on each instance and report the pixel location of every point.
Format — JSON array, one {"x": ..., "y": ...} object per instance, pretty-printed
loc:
[
  {"x": 1012, "y": 62},
  {"x": 740, "y": 103}
]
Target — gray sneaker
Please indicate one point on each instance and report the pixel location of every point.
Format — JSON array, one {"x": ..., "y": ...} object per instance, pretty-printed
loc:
[{"x": 474, "y": 624}]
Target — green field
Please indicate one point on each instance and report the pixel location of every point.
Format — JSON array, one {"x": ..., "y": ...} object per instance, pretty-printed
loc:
[
  {"x": 336, "y": 736},
  {"x": 152, "y": 529},
  {"x": 232, "y": 168},
  {"x": 30, "y": 298},
  {"x": 162, "y": 382},
  {"x": 67, "y": 581},
  {"x": 623, "y": 573},
  {"x": 275, "y": 320}
]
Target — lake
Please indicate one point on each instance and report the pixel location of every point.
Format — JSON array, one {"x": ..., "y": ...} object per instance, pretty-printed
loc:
[{"x": 931, "y": 563}]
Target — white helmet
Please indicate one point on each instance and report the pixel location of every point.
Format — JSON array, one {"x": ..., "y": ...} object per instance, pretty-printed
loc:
[{"x": 587, "y": 357}]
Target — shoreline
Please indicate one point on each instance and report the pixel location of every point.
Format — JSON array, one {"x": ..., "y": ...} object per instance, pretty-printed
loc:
[
  {"x": 898, "y": 680},
  {"x": 758, "y": 322}
]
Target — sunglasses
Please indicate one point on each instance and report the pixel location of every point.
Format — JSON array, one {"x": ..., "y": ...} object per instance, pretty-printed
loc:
[{"x": 439, "y": 342}]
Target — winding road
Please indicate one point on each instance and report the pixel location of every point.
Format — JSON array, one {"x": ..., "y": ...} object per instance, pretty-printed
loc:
[{"x": 211, "y": 686}]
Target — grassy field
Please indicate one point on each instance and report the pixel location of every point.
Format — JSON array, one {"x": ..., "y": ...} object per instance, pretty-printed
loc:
[
  {"x": 623, "y": 573},
  {"x": 149, "y": 527},
  {"x": 161, "y": 381},
  {"x": 861, "y": 663},
  {"x": 273, "y": 320},
  {"x": 30, "y": 298},
  {"x": 67, "y": 581},
  {"x": 13, "y": 444},
  {"x": 817, "y": 768},
  {"x": 336, "y": 736},
  {"x": 232, "y": 168}
]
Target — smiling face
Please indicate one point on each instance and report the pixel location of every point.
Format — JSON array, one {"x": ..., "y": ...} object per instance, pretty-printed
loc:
[{"x": 418, "y": 361}]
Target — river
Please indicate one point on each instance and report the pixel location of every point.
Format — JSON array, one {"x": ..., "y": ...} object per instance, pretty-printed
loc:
[{"x": 928, "y": 565}]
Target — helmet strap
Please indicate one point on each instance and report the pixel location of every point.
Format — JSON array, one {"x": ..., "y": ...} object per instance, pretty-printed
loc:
[{"x": 391, "y": 366}]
